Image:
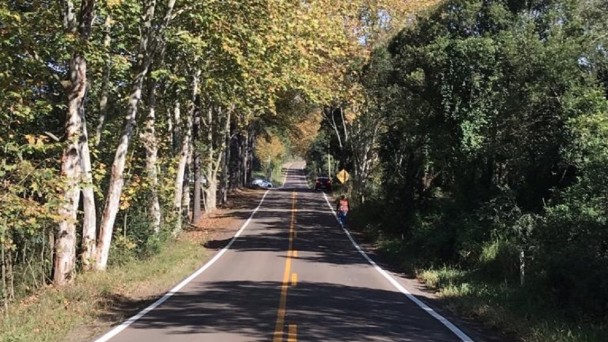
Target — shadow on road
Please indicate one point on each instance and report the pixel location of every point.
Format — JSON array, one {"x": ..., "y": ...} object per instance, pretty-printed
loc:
[{"x": 323, "y": 312}]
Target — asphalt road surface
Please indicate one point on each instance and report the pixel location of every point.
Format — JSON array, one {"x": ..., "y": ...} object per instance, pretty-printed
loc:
[{"x": 291, "y": 275}]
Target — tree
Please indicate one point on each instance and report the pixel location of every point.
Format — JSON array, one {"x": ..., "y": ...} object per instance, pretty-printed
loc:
[
  {"x": 270, "y": 152},
  {"x": 493, "y": 126},
  {"x": 76, "y": 160},
  {"x": 146, "y": 54}
]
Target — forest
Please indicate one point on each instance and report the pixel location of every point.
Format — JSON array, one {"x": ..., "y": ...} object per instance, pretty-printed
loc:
[
  {"x": 475, "y": 133},
  {"x": 482, "y": 144}
]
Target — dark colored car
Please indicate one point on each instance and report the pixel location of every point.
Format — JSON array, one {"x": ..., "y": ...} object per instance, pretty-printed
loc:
[{"x": 323, "y": 183}]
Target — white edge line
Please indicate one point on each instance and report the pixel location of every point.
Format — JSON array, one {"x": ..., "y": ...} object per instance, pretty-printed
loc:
[
  {"x": 464, "y": 337},
  {"x": 115, "y": 331}
]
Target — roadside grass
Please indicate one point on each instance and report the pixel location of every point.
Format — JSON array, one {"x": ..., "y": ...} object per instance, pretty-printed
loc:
[
  {"x": 520, "y": 313},
  {"x": 277, "y": 177},
  {"x": 507, "y": 307},
  {"x": 95, "y": 301}
]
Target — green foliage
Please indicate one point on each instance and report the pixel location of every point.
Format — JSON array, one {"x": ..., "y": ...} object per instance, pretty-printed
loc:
[
  {"x": 264, "y": 65},
  {"x": 495, "y": 145},
  {"x": 499, "y": 259},
  {"x": 520, "y": 313}
]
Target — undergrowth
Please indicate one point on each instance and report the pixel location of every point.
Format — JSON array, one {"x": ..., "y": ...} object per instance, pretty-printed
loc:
[{"x": 56, "y": 314}]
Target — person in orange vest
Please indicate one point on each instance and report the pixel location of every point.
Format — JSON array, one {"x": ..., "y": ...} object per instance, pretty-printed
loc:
[{"x": 342, "y": 208}]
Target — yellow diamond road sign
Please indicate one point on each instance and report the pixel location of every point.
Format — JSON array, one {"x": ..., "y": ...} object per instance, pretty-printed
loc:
[{"x": 343, "y": 176}]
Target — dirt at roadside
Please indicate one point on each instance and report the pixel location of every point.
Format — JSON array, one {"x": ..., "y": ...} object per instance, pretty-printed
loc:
[{"x": 226, "y": 220}]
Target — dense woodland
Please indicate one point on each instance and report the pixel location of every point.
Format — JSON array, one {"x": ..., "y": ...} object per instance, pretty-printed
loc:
[
  {"x": 475, "y": 131},
  {"x": 488, "y": 128}
]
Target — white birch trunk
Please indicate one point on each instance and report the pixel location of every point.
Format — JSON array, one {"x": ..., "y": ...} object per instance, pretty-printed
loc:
[
  {"x": 211, "y": 188},
  {"x": 334, "y": 125},
  {"x": 211, "y": 195},
  {"x": 116, "y": 178},
  {"x": 522, "y": 268},
  {"x": 185, "y": 209},
  {"x": 179, "y": 176},
  {"x": 365, "y": 133},
  {"x": 177, "y": 129},
  {"x": 116, "y": 183},
  {"x": 89, "y": 223},
  {"x": 215, "y": 157},
  {"x": 65, "y": 240},
  {"x": 185, "y": 153},
  {"x": 245, "y": 158},
  {"x": 151, "y": 146},
  {"x": 181, "y": 166},
  {"x": 196, "y": 168},
  {"x": 171, "y": 129},
  {"x": 76, "y": 144},
  {"x": 225, "y": 183}
]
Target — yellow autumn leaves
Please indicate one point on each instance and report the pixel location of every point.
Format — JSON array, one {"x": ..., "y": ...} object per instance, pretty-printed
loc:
[{"x": 269, "y": 150}]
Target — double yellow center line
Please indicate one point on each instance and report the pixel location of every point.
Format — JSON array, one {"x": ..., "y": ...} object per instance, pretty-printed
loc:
[{"x": 287, "y": 278}]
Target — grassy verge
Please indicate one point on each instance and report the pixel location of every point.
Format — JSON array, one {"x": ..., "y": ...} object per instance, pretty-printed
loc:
[
  {"x": 507, "y": 307},
  {"x": 521, "y": 313},
  {"x": 94, "y": 301}
]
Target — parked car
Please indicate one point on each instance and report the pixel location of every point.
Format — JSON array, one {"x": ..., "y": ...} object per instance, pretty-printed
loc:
[
  {"x": 261, "y": 183},
  {"x": 323, "y": 183}
]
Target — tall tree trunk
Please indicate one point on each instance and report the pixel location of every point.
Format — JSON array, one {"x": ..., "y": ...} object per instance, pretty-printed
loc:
[
  {"x": 215, "y": 157},
  {"x": 179, "y": 176},
  {"x": 211, "y": 188},
  {"x": 185, "y": 210},
  {"x": 211, "y": 194},
  {"x": 181, "y": 164},
  {"x": 344, "y": 124},
  {"x": 239, "y": 161},
  {"x": 245, "y": 157},
  {"x": 65, "y": 246},
  {"x": 71, "y": 167},
  {"x": 185, "y": 154},
  {"x": 151, "y": 146},
  {"x": 224, "y": 186},
  {"x": 89, "y": 223},
  {"x": 248, "y": 140},
  {"x": 249, "y": 152},
  {"x": 176, "y": 132},
  {"x": 116, "y": 178},
  {"x": 331, "y": 116},
  {"x": 196, "y": 168},
  {"x": 171, "y": 128},
  {"x": 364, "y": 135}
]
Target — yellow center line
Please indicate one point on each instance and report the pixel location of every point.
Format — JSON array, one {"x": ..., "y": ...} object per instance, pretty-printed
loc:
[
  {"x": 294, "y": 279},
  {"x": 292, "y": 335},
  {"x": 280, "y": 324}
]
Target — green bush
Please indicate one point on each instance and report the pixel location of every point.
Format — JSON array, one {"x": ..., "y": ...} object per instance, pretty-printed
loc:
[
  {"x": 499, "y": 259},
  {"x": 571, "y": 261}
]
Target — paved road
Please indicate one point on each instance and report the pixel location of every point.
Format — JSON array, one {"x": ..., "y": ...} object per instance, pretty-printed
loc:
[{"x": 292, "y": 275}]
